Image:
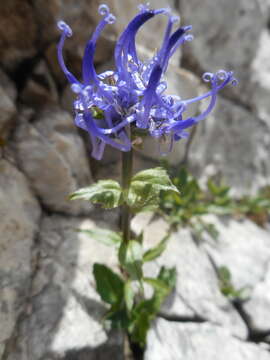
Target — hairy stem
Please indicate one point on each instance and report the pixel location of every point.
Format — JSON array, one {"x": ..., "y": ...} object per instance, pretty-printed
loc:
[{"x": 127, "y": 160}]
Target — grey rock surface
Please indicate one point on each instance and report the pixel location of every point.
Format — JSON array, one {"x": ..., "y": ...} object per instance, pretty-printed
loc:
[
  {"x": 241, "y": 246},
  {"x": 229, "y": 139},
  {"x": 18, "y": 32},
  {"x": 19, "y": 213},
  {"x": 65, "y": 311},
  {"x": 258, "y": 304},
  {"x": 244, "y": 249},
  {"x": 215, "y": 43},
  {"x": 197, "y": 292},
  {"x": 7, "y": 113},
  {"x": 8, "y": 85},
  {"x": 175, "y": 341},
  {"x": 39, "y": 90},
  {"x": 53, "y": 157}
]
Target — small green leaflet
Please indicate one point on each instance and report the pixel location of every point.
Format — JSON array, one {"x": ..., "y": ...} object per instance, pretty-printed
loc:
[
  {"x": 130, "y": 257},
  {"x": 109, "y": 285},
  {"x": 146, "y": 186},
  {"x": 108, "y": 193},
  {"x": 157, "y": 284},
  {"x": 129, "y": 295},
  {"x": 105, "y": 236},
  {"x": 155, "y": 252}
]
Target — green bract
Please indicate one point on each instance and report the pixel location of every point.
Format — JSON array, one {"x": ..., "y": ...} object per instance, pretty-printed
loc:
[{"x": 108, "y": 193}]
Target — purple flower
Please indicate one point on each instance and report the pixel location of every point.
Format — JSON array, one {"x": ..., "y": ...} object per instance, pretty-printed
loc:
[{"x": 133, "y": 95}]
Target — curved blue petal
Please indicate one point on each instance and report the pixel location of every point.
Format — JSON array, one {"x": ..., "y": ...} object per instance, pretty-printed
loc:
[{"x": 66, "y": 32}]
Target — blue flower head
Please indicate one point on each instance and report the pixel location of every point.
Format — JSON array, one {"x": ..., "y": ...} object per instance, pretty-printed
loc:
[{"x": 133, "y": 95}]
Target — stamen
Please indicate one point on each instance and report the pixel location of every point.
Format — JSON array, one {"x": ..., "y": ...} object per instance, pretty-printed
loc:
[
  {"x": 64, "y": 27},
  {"x": 110, "y": 19},
  {"x": 144, "y": 7},
  {"x": 189, "y": 37},
  {"x": 76, "y": 88},
  {"x": 103, "y": 9},
  {"x": 207, "y": 77}
]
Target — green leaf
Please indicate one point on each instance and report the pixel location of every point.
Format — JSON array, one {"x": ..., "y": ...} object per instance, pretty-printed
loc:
[
  {"x": 157, "y": 177},
  {"x": 224, "y": 274},
  {"x": 157, "y": 284},
  {"x": 109, "y": 285},
  {"x": 130, "y": 257},
  {"x": 217, "y": 190},
  {"x": 146, "y": 186},
  {"x": 155, "y": 252},
  {"x": 168, "y": 275},
  {"x": 105, "y": 236},
  {"x": 146, "y": 310},
  {"x": 212, "y": 230},
  {"x": 129, "y": 295},
  {"x": 108, "y": 193},
  {"x": 141, "y": 323},
  {"x": 118, "y": 317}
]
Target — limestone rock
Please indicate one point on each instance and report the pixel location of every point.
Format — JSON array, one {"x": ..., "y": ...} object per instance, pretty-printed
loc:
[
  {"x": 18, "y": 32},
  {"x": 7, "y": 113},
  {"x": 258, "y": 305},
  {"x": 235, "y": 144},
  {"x": 178, "y": 341},
  {"x": 8, "y": 85},
  {"x": 19, "y": 215},
  {"x": 66, "y": 315},
  {"x": 197, "y": 290},
  {"x": 39, "y": 89},
  {"x": 218, "y": 32},
  {"x": 53, "y": 157},
  {"x": 242, "y": 247}
]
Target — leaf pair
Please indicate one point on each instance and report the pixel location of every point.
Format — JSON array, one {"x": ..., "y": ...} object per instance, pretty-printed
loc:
[{"x": 144, "y": 190}]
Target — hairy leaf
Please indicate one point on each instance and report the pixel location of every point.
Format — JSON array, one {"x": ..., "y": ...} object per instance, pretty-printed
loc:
[
  {"x": 157, "y": 284},
  {"x": 146, "y": 186},
  {"x": 129, "y": 295},
  {"x": 108, "y": 193},
  {"x": 155, "y": 252},
  {"x": 105, "y": 236},
  {"x": 130, "y": 257},
  {"x": 109, "y": 285}
]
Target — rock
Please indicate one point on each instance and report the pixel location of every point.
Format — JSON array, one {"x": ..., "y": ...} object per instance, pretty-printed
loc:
[
  {"x": 242, "y": 247},
  {"x": 258, "y": 305},
  {"x": 18, "y": 32},
  {"x": 197, "y": 290},
  {"x": 40, "y": 89},
  {"x": 53, "y": 157},
  {"x": 177, "y": 341},
  {"x": 19, "y": 215},
  {"x": 235, "y": 143},
  {"x": 66, "y": 316},
  {"x": 260, "y": 80},
  {"x": 8, "y": 85},
  {"x": 7, "y": 113},
  {"x": 218, "y": 36}
]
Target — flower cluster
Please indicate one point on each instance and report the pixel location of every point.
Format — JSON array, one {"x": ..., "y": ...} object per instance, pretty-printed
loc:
[{"x": 133, "y": 95}]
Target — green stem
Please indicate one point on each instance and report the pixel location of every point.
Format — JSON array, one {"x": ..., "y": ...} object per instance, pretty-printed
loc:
[{"x": 127, "y": 160}]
